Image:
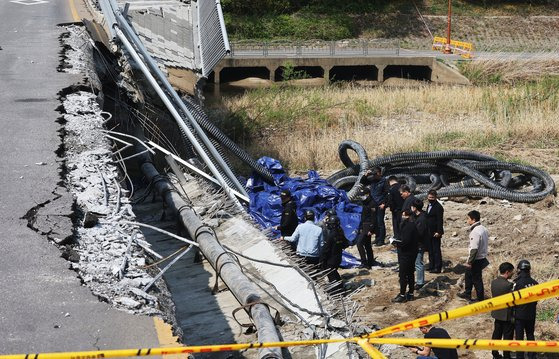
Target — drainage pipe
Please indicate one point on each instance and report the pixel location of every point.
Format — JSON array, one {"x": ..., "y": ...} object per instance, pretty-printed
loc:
[
  {"x": 226, "y": 267},
  {"x": 177, "y": 117}
]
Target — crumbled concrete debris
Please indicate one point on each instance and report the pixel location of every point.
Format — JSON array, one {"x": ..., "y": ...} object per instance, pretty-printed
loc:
[
  {"x": 75, "y": 59},
  {"x": 102, "y": 242},
  {"x": 90, "y": 219},
  {"x": 128, "y": 302}
]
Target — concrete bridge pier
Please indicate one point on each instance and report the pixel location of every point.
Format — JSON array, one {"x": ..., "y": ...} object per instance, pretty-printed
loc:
[
  {"x": 217, "y": 77},
  {"x": 380, "y": 72},
  {"x": 327, "y": 73}
]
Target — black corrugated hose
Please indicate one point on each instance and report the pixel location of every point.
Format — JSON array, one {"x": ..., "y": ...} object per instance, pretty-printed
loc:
[
  {"x": 214, "y": 132},
  {"x": 451, "y": 173}
]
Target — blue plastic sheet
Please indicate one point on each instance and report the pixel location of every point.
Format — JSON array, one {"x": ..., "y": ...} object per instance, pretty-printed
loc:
[{"x": 313, "y": 193}]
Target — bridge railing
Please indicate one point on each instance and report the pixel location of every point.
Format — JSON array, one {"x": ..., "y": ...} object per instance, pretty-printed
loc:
[{"x": 315, "y": 48}]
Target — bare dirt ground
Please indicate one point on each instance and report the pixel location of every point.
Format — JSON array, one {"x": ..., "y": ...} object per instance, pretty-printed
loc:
[{"x": 517, "y": 231}]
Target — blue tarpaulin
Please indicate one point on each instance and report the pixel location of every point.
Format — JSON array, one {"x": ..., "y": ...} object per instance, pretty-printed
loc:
[{"x": 313, "y": 193}]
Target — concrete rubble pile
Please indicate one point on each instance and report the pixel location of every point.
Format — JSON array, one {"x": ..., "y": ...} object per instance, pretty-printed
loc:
[
  {"x": 102, "y": 241},
  {"x": 108, "y": 255},
  {"x": 75, "y": 44}
]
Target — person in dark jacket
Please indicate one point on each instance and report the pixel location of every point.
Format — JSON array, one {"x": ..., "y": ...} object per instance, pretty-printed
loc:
[
  {"x": 288, "y": 220},
  {"x": 524, "y": 315},
  {"x": 366, "y": 230},
  {"x": 435, "y": 214},
  {"x": 394, "y": 201},
  {"x": 431, "y": 332},
  {"x": 407, "y": 245},
  {"x": 421, "y": 224},
  {"x": 379, "y": 189},
  {"x": 407, "y": 196},
  {"x": 331, "y": 253},
  {"x": 504, "y": 328}
]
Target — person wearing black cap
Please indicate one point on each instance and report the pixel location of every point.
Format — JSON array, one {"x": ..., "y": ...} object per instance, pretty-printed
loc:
[
  {"x": 288, "y": 221},
  {"x": 524, "y": 315},
  {"x": 329, "y": 213},
  {"x": 331, "y": 252},
  {"x": 308, "y": 237},
  {"x": 366, "y": 229}
]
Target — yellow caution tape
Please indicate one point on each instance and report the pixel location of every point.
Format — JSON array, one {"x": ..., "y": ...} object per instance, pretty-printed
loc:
[
  {"x": 474, "y": 344},
  {"x": 523, "y": 296},
  {"x": 371, "y": 350},
  {"x": 526, "y": 295},
  {"x": 168, "y": 351}
]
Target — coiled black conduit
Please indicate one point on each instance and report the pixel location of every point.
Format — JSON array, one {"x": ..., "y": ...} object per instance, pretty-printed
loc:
[
  {"x": 218, "y": 135},
  {"x": 451, "y": 173}
]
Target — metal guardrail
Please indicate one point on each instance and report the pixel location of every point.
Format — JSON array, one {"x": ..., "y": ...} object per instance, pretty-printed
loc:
[{"x": 316, "y": 48}]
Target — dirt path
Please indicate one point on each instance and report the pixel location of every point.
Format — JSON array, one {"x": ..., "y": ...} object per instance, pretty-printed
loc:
[{"x": 516, "y": 231}]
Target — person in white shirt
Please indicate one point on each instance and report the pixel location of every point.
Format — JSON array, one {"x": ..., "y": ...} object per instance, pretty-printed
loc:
[
  {"x": 477, "y": 259},
  {"x": 308, "y": 237}
]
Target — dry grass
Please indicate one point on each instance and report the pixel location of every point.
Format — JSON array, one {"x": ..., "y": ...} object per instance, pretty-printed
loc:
[
  {"x": 303, "y": 127},
  {"x": 501, "y": 68}
]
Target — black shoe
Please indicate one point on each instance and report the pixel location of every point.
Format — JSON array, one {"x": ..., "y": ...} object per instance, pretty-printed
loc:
[
  {"x": 364, "y": 266},
  {"x": 379, "y": 244},
  {"x": 418, "y": 286},
  {"x": 399, "y": 299},
  {"x": 376, "y": 264},
  {"x": 409, "y": 297},
  {"x": 466, "y": 296}
]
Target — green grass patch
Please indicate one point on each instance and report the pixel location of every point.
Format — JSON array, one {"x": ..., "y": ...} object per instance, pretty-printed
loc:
[
  {"x": 299, "y": 26},
  {"x": 333, "y": 20},
  {"x": 546, "y": 315}
]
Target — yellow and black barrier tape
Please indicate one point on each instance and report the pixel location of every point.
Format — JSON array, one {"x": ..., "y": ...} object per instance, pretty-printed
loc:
[
  {"x": 523, "y": 296},
  {"x": 474, "y": 344},
  {"x": 373, "y": 352},
  {"x": 366, "y": 344}
]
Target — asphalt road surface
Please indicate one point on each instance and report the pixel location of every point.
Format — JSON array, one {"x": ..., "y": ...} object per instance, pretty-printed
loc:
[{"x": 43, "y": 306}]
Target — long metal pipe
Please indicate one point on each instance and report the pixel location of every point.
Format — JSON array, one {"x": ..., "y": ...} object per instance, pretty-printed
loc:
[
  {"x": 176, "y": 115},
  {"x": 123, "y": 24},
  {"x": 240, "y": 286}
]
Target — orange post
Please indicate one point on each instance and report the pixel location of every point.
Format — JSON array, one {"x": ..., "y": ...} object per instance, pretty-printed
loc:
[{"x": 447, "y": 49}]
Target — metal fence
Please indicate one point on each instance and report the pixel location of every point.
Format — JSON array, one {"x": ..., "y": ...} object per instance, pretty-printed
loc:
[
  {"x": 214, "y": 44},
  {"x": 316, "y": 48}
]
